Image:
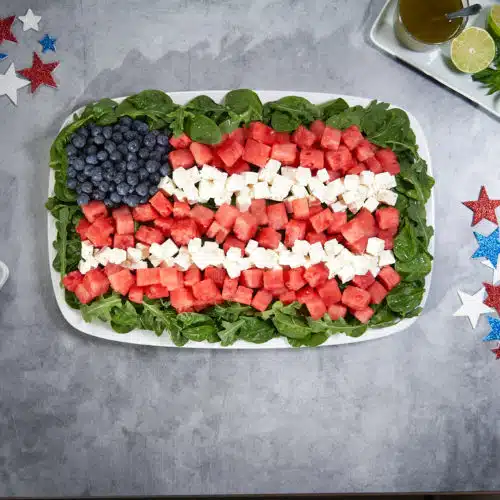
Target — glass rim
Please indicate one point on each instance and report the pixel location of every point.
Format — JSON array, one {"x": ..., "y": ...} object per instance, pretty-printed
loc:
[{"x": 465, "y": 3}]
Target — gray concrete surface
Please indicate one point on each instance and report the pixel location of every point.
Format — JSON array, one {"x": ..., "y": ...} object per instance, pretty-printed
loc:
[{"x": 78, "y": 416}]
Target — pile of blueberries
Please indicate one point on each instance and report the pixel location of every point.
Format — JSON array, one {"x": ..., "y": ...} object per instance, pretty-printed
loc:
[{"x": 118, "y": 164}]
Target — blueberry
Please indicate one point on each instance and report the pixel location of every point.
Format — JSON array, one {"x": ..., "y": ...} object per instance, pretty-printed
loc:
[
  {"x": 81, "y": 177},
  {"x": 161, "y": 149},
  {"x": 132, "y": 200},
  {"x": 165, "y": 169},
  {"x": 132, "y": 179},
  {"x": 122, "y": 148},
  {"x": 84, "y": 131},
  {"x": 78, "y": 141},
  {"x": 141, "y": 162},
  {"x": 108, "y": 174},
  {"x": 89, "y": 141},
  {"x": 153, "y": 190},
  {"x": 115, "y": 198},
  {"x": 119, "y": 177},
  {"x": 131, "y": 157},
  {"x": 115, "y": 156},
  {"x": 144, "y": 153},
  {"x": 140, "y": 126},
  {"x": 83, "y": 199},
  {"x": 78, "y": 164},
  {"x": 121, "y": 166},
  {"x": 152, "y": 166},
  {"x": 129, "y": 135},
  {"x": 95, "y": 131},
  {"x": 156, "y": 156},
  {"x": 102, "y": 155},
  {"x": 107, "y": 164},
  {"x": 117, "y": 137},
  {"x": 109, "y": 203},
  {"x": 112, "y": 187},
  {"x": 149, "y": 140},
  {"x": 126, "y": 120},
  {"x": 71, "y": 150},
  {"x": 78, "y": 189},
  {"x": 91, "y": 150},
  {"x": 116, "y": 127},
  {"x": 122, "y": 188},
  {"x": 107, "y": 132},
  {"x": 124, "y": 129},
  {"x": 155, "y": 132},
  {"x": 99, "y": 140},
  {"x": 133, "y": 146},
  {"x": 89, "y": 169},
  {"x": 71, "y": 183},
  {"x": 97, "y": 176},
  {"x": 155, "y": 178},
  {"x": 109, "y": 146},
  {"x": 98, "y": 195},
  {"x": 87, "y": 187},
  {"x": 92, "y": 159},
  {"x": 142, "y": 189},
  {"x": 71, "y": 173},
  {"x": 143, "y": 174},
  {"x": 143, "y": 199},
  {"x": 162, "y": 140},
  {"x": 132, "y": 166}
]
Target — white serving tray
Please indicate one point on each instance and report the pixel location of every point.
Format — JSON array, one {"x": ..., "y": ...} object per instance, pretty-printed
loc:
[
  {"x": 436, "y": 63},
  {"x": 145, "y": 337}
]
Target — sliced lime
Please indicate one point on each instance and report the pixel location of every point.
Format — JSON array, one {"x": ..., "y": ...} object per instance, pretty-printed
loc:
[
  {"x": 473, "y": 50},
  {"x": 494, "y": 20}
]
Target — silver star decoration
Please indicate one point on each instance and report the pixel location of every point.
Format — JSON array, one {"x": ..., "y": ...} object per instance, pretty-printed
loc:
[
  {"x": 496, "y": 270},
  {"x": 472, "y": 306},
  {"x": 10, "y": 83},
  {"x": 30, "y": 21}
]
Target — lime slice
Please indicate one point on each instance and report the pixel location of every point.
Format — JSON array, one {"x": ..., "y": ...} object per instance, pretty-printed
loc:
[
  {"x": 494, "y": 20},
  {"x": 473, "y": 50}
]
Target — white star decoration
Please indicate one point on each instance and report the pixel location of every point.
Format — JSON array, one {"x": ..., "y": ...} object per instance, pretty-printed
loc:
[
  {"x": 30, "y": 21},
  {"x": 472, "y": 306},
  {"x": 496, "y": 270},
  {"x": 10, "y": 83}
]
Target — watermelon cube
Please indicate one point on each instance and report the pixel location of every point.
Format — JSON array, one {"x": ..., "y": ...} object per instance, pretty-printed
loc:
[
  {"x": 206, "y": 290},
  {"x": 245, "y": 226},
  {"x": 269, "y": 238},
  {"x": 183, "y": 231},
  {"x": 294, "y": 279},
  {"x": 96, "y": 282},
  {"x": 233, "y": 242},
  {"x": 338, "y": 220},
  {"x": 337, "y": 311},
  {"x": 316, "y": 275},
  {"x": 312, "y": 158},
  {"x": 315, "y": 306},
  {"x": 121, "y": 281},
  {"x": 340, "y": 160},
  {"x": 180, "y": 142},
  {"x": 226, "y": 215},
  {"x": 364, "y": 315},
  {"x": 389, "y": 277},
  {"x": 261, "y": 133},
  {"x": 161, "y": 204},
  {"x": 94, "y": 210},
  {"x": 123, "y": 241},
  {"x": 259, "y": 211},
  {"x": 256, "y": 153},
  {"x": 181, "y": 210},
  {"x": 303, "y": 137},
  {"x": 156, "y": 292},
  {"x": 286, "y": 154},
  {"x": 82, "y": 226},
  {"x": 230, "y": 152},
  {"x": 377, "y": 292},
  {"x": 181, "y": 158},
  {"x": 164, "y": 224},
  {"x": 317, "y": 127},
  {"x": 170, "y": 277},
  {"x": 314, "y": 237},
  {"x": 149, "y": 276},
  {"x": 277, "y": 216},
  {"x": 331, "y": 138},
  {"x": 352, "y": 137},
  {"x": 144, "y": 213},
  {"x": 374, "y": 165},
  {"x": 387, "y": 218},
  {"x": 364, "y": 281},
  {"x": 355, "y": 298},
  {"x": 203, "y": 216},
  {"x": 322, "y": 220},
  {"x": 192, "y": 276},
  {"x": 262, "y": 300},
  {"x": 149, "y": 235},
  {"x": 364, "y": 150},
  {"x": 136, "y": 294},
  {"x": 252, "y": 278},
  {"x": 388, "y": 161},
  {"x": 288, "y": 297},
  {"x": 72, "y": 280},
  {"x": 202, "y": 153},
  {"x": 330, "y": 292},
  {"x": 274, "y": 279},
  {"x": 243, "y": 295},
  {"x": 216, "y": 274},
  {"x": 229, "y": 288},
  {"x": 182, "y": 300}
]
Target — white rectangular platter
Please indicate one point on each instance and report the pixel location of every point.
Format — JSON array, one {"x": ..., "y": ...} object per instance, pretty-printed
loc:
[
  {"x": 436, "y": 63},
  {"x": 145, "y": 337}
]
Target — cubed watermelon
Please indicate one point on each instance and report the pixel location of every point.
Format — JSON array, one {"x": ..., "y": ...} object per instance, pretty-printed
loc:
[
  {"x": 226, "y": 215},
  {"x": 239, "y": 135},
  {"x": 245, "y": 226},
  {"x": 358, "y": 246},
  {"x": 388, "y": 236},
  {"x": 252, "y": 278},
  {"x": 202, "y": 153},
  {"x": 149, "y": 235},
  {"x": 316, "y": 307},
  {"x": 277, "y": 216},
  {"x": 149, "y": 276},
  {"x": 206, "y": 290},
  {"x": 274, "y": 279},
  {"x": 340, "y": 160},
  {"x": 331, "y": 138},
  {"x": 94, "y": 210},
  {"x": 364, "y": 281},
  {"x": 161, "y": 204},
  {"x": 364, "y": 151},
  {"x": 83, "y": 294},
  {"x": 389, "y": 277},
  {"x": 355, "y": 298},
  {"x": 203, "y": 216},
  {"x": 312, "y": 158},
  {"x": 286, "y": 154},
  {"x": 337, "y": 311},
  {"x": 156, "y": 292},
  {"x": 229, "y": 289},
  {"x": 364, "y": 315},
  {"x": 216, "y": 274},
  {"x": 111, "y": 268},
  {"x": 304, "y": 294},
  {"x": 192, "y": 276},
  {"x": 338, "y": 220},
  {"x": 259, "y": 211},
  {"x": 136, "y": 294},
  {"x": 180, "y": 142},
  {"x": 124, "y": 223},
  {"x": 282, "y": 138},
  {"x": 184, "y": 230},
  {"x": 83, "y": 225},
  {"x": 123, "y": 241},
  {"x": 269, "y": 238},
  {"x": 303, "y": 137},
  {"x": 230, "y": 152},
  {"x": 377, "y": 292},
  {"x": 387, "y": 218},
  {"x": 317, "y": 127},
  {"x": 261, "y": 132},
  {"x": 181, "y": 210},
  {"x": 96, "y": 282},
  {"x": 294, "y": 279},
  {"x": 314, "y": 237},
  {"x": 170, "y": 277},
  {"x": 182, "y": 300},
  {"x": 164, "y": 224},
  {"x": 181, "y": 158},
  {"x": 330, "y": 292},
  {"x": 352, "y": 137},
  {"x": 288, "y": 297},
  {"x": 316, "y": 275},
  {"x": 72, "y": 280},
  {"x": 256, "y": 153},
  {"x": 295, "y": 230},
  {"x": 322, "y": 220},
  {"x": 374, "y": 165},
  {"x": 144, "y": 213},
  {"x": 243, "y": 295},
  {"x": 121, "y": 281},
  {"x": 233, "y": 242},
  {"x": 262, "y": 300},
  {"x": 388, "y": 160}
]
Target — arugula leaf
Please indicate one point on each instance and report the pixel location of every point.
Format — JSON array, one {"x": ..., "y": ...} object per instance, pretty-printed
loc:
[
  {"x": 202, "y": 129},
  {"x": 229, "y": 333},
  {"x": 383, "y": 317},
  {"x": 230, "y": 311},
  {"x": 162, "y": 319},
  {"x": 101, "y": 308},
  {"x": 416, "y": 268},
  {"x": 330, "y": 327},
  {"x": 348, "y": 117},
  {"x": 125, "y": 318},
  {"x": 405, "y": 297},
  {"x": 244, "y": 102},
  {"x": 256, "y": 330},
  {"x": 71, "y": 300},
  {"x": 282, "y": 122},
  {"x": 405, "y": 243},
  {"x": 152, "y": 100},
  {"x": 330, "y": 108},
  {"x": 204, "y": 105},
  {"x": 196, "y": 326},
  {"x": 416, "y": 213},
  {"x": 294, "y": 327},
  {"x": 313, "y": 340}
]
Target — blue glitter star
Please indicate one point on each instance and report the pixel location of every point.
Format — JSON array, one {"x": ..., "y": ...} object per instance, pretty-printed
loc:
[
  {"x": 48, "y": 43},
  {"x": 2, "y": 56},
  {"x": 489, "y": 246},
  {"x": 495, "y": 329}
]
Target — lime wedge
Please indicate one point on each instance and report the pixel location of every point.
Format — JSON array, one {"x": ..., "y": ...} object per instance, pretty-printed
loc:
[
  {"x": 494, "y": 20},
  {"x": 473, "y": 50}
]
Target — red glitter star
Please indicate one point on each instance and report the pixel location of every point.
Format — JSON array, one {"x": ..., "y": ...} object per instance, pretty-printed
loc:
[
  {"x": 493, "y": 299},
  {"x": 40, "y": 73},
  {"x": 483, "y": 208},
  {"x": 6, "y": 29},
  {"x": 496, "y": 351}
]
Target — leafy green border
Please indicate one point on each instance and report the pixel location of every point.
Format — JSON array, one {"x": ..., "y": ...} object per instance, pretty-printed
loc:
[{"x": 206, "y": 121}]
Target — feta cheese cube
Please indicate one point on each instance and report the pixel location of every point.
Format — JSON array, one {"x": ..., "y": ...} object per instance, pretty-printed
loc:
[
  {"x": 183, "y": 259},
  {"x": 280, "y": 187},
  {"x": 84, "y": 266},
  {"x": 351, "y": 182},
  {"x": 338, "y": 186},
  {"x": 269, "y": 172},
  {"x": 299, "y": 191},
  {"x": 243, "y": 202},
  {"x": 179, "y": 194},
  {"x": 134, "y": 254},
  {"x": 251, "y": 178},
  {"x": 356, "y": 206},
  {"x": 261, "y": 191},
  {"x": 166, "y": 185},
  {"x": 259, "y": 257},
  {"x": 316, "y": 253},
  {"x": 371, "y": 204},
  {"x": 207, "y": 172},
  {"x": 281, "y": 248},
  {"x": 333, "y": 247},
  {"x": 296, "y": 260},
  {"x": 206, "y": 190},
  {"x": 301, "y": 247},
  {"x": 339, "y": 206},
  {"x": 117, "y": 256},
  {"x": 169, "y": 248},
  {"x": 193, "y": 174},
  {"x": 181, "y": 178},
  {"x": 144, "y": 249},
  {"x": 350, "y": 197},
  {"x": 323, "y": 175},
  {"x": 289, "y": 173},
  {"x": 303, "y": 176},
  {"x": 361, "y": 264},
  {"x": 362, "y": 193},
  {"x": 211, "y": 246},
  {"x": 386, "y": 258},
  {"x": 142, "y": 264},
  {"x": 234, "y": 254},
  {"x": 366, "y": 178},
  {"x": 346, "y": 273},
  {"x": 233, "y": 269},
  {"x": 191, "y": 193},
  {"x": 388, "y": 197},
  {"x": 155, "y": 261},
  {"x": 87, "y": 250},
  {"x": 375, "y": 246},
  {"x": 194, "y": 245},
  {"x": 384, "y": 180},
  {"x": 224, "y": 198},
  {"x": 244, "y": 263},
  {"x": 235, "y": 183},
  {"x": 102, "y": 255},
  {"x": 252, "y": 245}
]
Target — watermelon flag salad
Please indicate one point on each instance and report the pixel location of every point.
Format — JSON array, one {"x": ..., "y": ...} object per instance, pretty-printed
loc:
[{"x": 241, "y": 220}]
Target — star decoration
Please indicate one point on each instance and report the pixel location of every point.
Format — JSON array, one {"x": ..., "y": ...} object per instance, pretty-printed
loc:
[
  {"x": 10, "y": 83},
  {"x": 30, "y": 21},
  {"x": 6, "y": 30},
  {"x": 40, "y": 73},
  {"x": 483, "y": 208},
  {"x": 472, "y": 306},
  {"x": 3, "y": 56},
  {"x": 496, "y": 270},
  {"x": 495, "y": 330},
  {"x": 489, "y": 246},
  {"x": 496, "y": 351},
  {"x": 493, "y": 299},
  {"x": 48, "y": 43}
]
